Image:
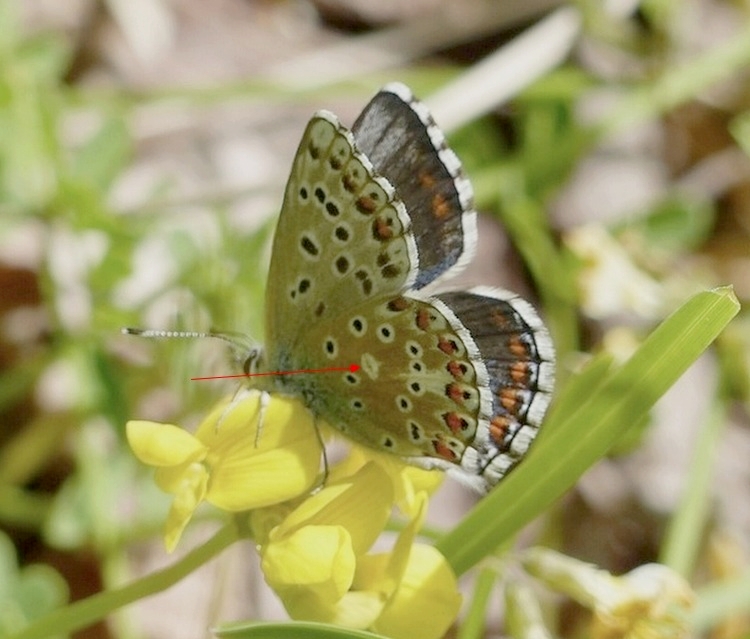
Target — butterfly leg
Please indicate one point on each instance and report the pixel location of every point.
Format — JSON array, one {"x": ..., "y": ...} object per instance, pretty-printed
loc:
[
  {"x": 231, "y": 405},
  {"x": 326, "y": 468},
  {"x": 265, "y": 402}
]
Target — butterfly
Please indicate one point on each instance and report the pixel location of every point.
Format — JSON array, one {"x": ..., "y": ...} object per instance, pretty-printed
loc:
[{"x": 373, "y": 218}]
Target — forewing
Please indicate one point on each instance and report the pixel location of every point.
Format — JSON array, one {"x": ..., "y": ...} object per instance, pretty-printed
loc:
[{"x": 343, "y": 238}]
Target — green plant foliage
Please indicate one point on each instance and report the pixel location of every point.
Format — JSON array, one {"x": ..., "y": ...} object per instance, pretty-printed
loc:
[
  {"x": 595, "y": 409},
  {"x": 292, "y": 629},
  {"x": 65, "y": 152},
  {"x": 27, "y": 593}
]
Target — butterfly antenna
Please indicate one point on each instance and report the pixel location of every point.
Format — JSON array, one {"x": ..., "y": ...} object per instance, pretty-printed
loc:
[
  {"x": 164, "y": 334},
  {"x": 243, "y": 347}
]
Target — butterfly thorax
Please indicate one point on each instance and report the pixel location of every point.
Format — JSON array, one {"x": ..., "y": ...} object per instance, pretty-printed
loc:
[{"x": 282, "y": 372}]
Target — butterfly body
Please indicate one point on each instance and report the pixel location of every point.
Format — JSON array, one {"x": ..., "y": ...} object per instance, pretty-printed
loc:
[{"x": 371, "y": 220}]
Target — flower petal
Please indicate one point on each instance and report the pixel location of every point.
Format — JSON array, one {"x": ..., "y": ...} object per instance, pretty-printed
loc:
[
  {"x": 250, "y": 470},
  {"x": 158, "y": 444},
  {"x": 416, "y": 481},
  {"x": 655, "y": 602},
  {"x": 170, "y": 478},
  {"x": 407, "y": 479},
  {"x": 313, "y": 560},
  {"x": 650, "y": 601},
  {"x": 361, "y": 504},
  {"x": 190, "y": 494},
  {"x": 286, "y": 420},
  {"x": 382, "y": 572},
  {"x": 358, "y": 609},
  {"x": 427, "y": 600}
]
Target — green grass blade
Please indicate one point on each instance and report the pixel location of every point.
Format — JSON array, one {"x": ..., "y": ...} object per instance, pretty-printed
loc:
[
  {"x": 595, "y": 417},
  {"x": 682, "y": 542},
  {"x": 474, "y": 625}
]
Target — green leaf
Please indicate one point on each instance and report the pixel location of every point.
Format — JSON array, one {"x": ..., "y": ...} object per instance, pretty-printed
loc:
[
  {"x": 684, "y": 536},
  {"x": 474, "y": 625},
  {"x": 291, "y": 630},
  {"x": 104, "y": 155},
  {"x": 27, "y": 593},
  {"x": 681, "y": 84},
  {"x": 591, "y": 415},
  {"x": 677, "y": 223},
  {"x": 527, "y": 224}
]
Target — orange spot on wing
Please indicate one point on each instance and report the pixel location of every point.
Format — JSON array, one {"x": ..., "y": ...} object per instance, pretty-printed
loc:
[
  {"x": 398, "y": 304},
  {"x": 444, "y": 451},
  {"x": 448, "y": 346},
  {"x": 423, "y": 319},
  {"x": 441, "y": 208},
  {"x": 381, "y": 229},
  {"x": 366, "y": 205},
  {"x": 456, "y": 369},
  {"x": 426, "y": 180},
  {"x": 517, "y": 347},
  {"x": 520, "y": 373},
  {"x": 499, "y": 319},
  {"x": 455, "y": 392},
  {"x": 509, "y": 399},
  {"x": 455, "y": 422},
  {"x": 499, "y": 427}
]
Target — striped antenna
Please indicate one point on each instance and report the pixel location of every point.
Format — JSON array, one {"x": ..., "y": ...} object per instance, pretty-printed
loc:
[{"x": 245, "y": 350}]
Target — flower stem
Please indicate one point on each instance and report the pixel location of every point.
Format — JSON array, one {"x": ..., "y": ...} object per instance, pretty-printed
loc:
[{"x": 85, "y": 612}]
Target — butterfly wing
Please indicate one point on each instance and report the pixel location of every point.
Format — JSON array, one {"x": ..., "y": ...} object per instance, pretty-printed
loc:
[
  {"x": 343, "y": 238},
  {"x": 400, "y": 138},
  {"x": 461, "y": 379}
]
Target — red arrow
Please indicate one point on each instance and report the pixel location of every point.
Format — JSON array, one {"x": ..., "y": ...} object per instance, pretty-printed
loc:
[{"x": 353, "y": 368}]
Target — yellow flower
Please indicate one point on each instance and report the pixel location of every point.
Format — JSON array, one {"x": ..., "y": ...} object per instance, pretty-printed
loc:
[
  {"x": 425, "y": 600},
  {"x": 229, "y": 463},
  {"x": 650, "y": 602},
  {"x": 309, "y": 559},
  {"x": 314, "y": 550},
  {"x": 316, "y": 561},
  {"x": 407, "y": 480}
]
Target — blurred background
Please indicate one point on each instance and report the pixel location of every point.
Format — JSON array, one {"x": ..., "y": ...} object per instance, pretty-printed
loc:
[{"x": 144, "y": 148}]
